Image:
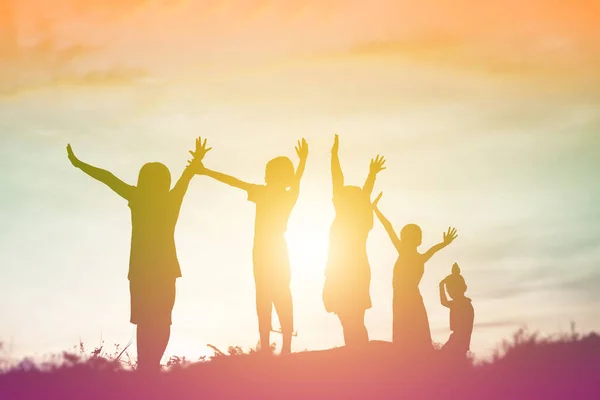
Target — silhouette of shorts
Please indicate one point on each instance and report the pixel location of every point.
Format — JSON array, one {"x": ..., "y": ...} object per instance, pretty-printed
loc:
[{"x": 152, "y": 301}]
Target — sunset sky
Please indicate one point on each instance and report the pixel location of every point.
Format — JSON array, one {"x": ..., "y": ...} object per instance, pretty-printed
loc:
[{"x": 488, "y": 114}]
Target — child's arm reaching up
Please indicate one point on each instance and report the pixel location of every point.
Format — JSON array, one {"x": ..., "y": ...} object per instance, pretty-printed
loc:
[
  {"x": 448, "y": 238},
  {"x": 118, "y": 186},
  {"x": 194, "y": 165},
  {"x": 386, "y": 223},
  {"x": 443, "y": 298},
  {"x": 302, "y": 152},
  {"x": 337, "y": 176},
  {"x": 377, "y": 165},
  {"x": 200, "y": 169},
  {"x": 227, "y": 179}
]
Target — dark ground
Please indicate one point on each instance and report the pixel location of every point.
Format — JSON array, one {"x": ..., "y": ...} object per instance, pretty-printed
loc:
[{"x": 529, "y": 368}]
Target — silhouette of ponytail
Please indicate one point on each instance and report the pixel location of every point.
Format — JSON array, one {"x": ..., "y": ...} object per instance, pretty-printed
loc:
[
  {"x": 455, "y": 282},
  {"x": 455, "y": 269}
]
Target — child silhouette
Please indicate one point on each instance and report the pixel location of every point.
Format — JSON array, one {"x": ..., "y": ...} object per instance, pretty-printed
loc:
[
  {"x": 461, "y": 313},
  {"x": 153, "y": 264},
  {"x": 411, "y": 331},
  {"x": 274, "y": 203},
  {"x": 348, "y": 275}
]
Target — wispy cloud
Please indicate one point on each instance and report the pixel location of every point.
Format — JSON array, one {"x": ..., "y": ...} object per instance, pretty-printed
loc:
[
  {"x": 44, "y": 62},
  {"x": 188, "y": 35}
]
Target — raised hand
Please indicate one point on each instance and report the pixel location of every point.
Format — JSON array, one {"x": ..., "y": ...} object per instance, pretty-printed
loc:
[
  {"x": 74, "y": 160},
  {"x": 376, "y": 202},
  {"x": 336, "y": 145},
  {"x": 198, "y": 155},
  {"x": 196, "y": 166},
  {"x": 450, "y": 235},
  {"x": 109, "y": 179},
  {"x": 302, "y": 149},
  {"x": 201, "y": 149},
  {"x": 377, "y": 165}
]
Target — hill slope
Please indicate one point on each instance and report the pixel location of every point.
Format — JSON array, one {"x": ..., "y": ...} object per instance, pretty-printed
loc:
[{"x": 529, "y": 368}]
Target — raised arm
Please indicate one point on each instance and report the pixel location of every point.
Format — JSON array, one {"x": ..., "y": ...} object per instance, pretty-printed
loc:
[
  {"x": 377, "y": 165},
  {"x": 180, "y": 188},
  {"x": 386, "y": 223},
  {"x": 118, "y": 186},
  {"x": 336, "y": 169},
  {"x": 449, "y": 237},
  {"x": 302, "y": 152},
  {"x": 443, "y": 298},
  {"x": 227, "y": 179},
  {"x": 200, "y": 169}
]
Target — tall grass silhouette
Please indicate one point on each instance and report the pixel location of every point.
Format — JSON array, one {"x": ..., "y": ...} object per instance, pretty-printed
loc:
[{"x": 526, "y": 366}]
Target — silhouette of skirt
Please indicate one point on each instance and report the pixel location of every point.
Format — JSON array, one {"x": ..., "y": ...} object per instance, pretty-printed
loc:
[
  {"x": 347, "y": 295},
  {"x": 152, "y": 301},
  {"x": 411, "y": 325}
]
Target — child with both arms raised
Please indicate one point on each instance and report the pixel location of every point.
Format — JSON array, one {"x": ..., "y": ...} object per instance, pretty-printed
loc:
[
  {"x": 274, "y": 203},
  {"x": 411, "y": 333},
  {"x": 153, "y": 264}
]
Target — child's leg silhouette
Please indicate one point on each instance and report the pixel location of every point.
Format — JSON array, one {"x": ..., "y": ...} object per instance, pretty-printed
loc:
[
  {"x": 362, "y": 335},
  {"x": 264, "y": 308},
  {"x": 142, "y": 341},
  {"x": 282, "y": 300},
  {"x": 152, "y": 302},
  {"x": 151, "y": 345},
  {"x": 355, "y": 331}
]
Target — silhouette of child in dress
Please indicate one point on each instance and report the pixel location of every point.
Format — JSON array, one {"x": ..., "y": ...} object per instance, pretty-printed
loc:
[
  {"x": 411, "y": 331},
  {"x": 346, "y": 291}
]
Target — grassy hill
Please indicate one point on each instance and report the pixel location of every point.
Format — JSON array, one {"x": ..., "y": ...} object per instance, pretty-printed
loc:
[{"x": 526, "y": 367}]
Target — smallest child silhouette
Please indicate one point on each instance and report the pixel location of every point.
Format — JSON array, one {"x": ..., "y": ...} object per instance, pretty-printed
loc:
[{"x": 461, "y": 313}]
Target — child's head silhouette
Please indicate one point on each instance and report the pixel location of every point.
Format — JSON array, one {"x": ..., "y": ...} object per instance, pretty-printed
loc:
[
  {"x": 455, "y": 283},
  {"x": 353, "y": 206},
  {"x": 280, "y": 172},
  {"x": 154, "y": 178},
  {"x": 411, "y": 235}
]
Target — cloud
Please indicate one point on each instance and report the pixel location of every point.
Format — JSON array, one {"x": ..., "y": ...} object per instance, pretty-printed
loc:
[
  {"x": 561, "y": 60},
  {"x": 498, "y": 34},
  {"x": 102, "y": 78},
  {"x": 503, "y": 323},
  {"x": 497, "y": 324},
  {"x": 47, "y": 63}
]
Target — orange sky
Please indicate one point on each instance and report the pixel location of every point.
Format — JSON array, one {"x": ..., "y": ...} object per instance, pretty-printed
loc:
[{"x": 74, "y": 41}]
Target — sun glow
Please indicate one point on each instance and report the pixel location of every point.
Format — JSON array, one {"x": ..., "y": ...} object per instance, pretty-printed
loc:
[{"x": 308, "y": 242}]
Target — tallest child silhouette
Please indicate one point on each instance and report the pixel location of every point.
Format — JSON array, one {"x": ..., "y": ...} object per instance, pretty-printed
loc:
[
  {"x": 153, "y": 264},
  {"x": 348, "y": 275},
  {"x": 274, "y": 203}
]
